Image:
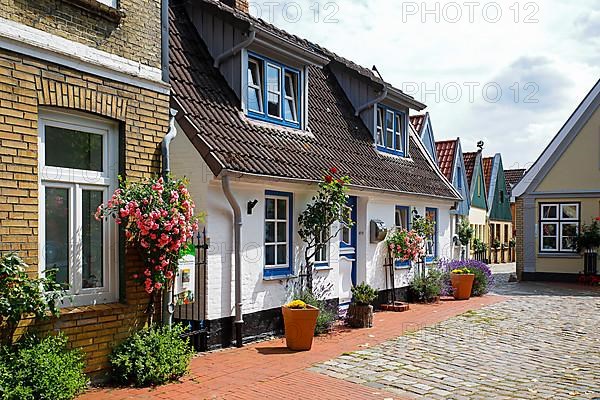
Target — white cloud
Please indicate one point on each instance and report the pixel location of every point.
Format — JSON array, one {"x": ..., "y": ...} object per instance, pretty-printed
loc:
[{"x": 560, "y": 53}]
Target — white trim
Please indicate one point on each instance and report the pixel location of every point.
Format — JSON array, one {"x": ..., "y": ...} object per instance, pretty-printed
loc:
[
  {"x": 55, "y": 49},
  {"x": 540, "y": 164},
  {"x": 76, "y": 181}
]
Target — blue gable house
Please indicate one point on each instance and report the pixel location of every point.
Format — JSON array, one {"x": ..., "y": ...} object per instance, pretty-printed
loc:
[{"x": 451, "y": 163}]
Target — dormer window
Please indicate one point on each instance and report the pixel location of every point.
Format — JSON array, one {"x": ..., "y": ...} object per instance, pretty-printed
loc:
[
  {"x": 273, "y": 92},
  {"x": 390, "y": 132}
]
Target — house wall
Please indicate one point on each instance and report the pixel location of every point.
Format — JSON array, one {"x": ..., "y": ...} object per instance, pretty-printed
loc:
[
  {"x": 136, "y": 36},
  {"x": 260, "y": 295},
  {"x": 26, "y": 85}
]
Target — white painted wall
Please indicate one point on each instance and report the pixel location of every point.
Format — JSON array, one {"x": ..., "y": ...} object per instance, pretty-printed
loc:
[{"x": 258, "y": 293}]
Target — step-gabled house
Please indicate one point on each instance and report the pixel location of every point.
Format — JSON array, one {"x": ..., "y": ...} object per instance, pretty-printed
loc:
[
  {"x": 499, "y": 215},
  {"x": 262, "y": 115},
  {"x": 558, "y": 194},
  {"x": 451, "y": 162},
  {"x": 478, "y": 211}
]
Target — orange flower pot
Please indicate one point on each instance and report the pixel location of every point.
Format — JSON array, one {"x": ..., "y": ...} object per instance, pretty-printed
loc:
[
  {"x": 299, "y": 325},
  {"x": 462, "y": 285}
]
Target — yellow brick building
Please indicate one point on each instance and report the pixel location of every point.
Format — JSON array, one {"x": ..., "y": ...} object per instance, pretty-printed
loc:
[{"x": 84, "y": 98}]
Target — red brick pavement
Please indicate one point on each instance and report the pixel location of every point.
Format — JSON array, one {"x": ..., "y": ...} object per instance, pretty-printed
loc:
[{"x": 267, "y": 370}]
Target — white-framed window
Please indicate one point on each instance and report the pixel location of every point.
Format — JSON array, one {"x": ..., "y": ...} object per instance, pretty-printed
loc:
[
  {"x": 379, "y": 133},
  {"x": 78, "y": 164},
  {"x": 559, "y": 225},
  {"x": 290, "y": 108},
  {"x": 273, "y": 91},
  {"x": 110, "y": 3},
  {"x": 278, "y": 233},
  {"x": 389, "y": 129},
  {"x": 399, "y": 139},
  {"x": 322, "y": 255},
  {"x": 255, "y": 81}
]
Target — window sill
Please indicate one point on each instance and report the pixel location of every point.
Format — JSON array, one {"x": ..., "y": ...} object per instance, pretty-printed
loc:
[
  {"x": 100, "y": 9},
  {"x": 559, "y": 255},
  {"x": 92, "y": 308},
  {"x": 323, "y": 267},
  {"x": 279, "y": 277}
]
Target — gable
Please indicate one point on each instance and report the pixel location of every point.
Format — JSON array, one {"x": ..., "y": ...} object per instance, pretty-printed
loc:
[
  {"x": 460, "y": 181},
  {"x": 500, "y": 202},
  {"x": 478, "y": 191},
  {"x": 428, "y": 139},
  {"x": 578, "y": 168}
]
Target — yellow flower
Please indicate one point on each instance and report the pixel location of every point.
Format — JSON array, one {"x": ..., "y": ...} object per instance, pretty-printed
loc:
[{"x": 296, "y": 304}]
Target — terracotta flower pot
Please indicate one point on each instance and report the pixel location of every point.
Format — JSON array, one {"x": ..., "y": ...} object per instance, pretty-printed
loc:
[
  {"x": 462, "y": 285},
  {"x": 299, "y": 327}
]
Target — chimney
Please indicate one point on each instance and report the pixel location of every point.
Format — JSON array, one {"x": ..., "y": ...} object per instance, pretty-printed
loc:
[{"x": 240, "y": 5}]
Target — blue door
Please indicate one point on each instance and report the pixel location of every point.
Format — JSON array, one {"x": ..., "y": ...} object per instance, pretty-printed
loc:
[{"x": 348, "y": 247}]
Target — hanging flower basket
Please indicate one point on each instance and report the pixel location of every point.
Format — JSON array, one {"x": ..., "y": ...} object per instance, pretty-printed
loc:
[{"x": 405, "y": 245}]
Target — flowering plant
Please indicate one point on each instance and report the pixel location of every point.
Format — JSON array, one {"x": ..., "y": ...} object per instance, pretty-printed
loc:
[
  {"x": 461, "y": 271},
  {"x": 158, "y": 217},
  {"x": 589, "y": 236},
  {"x": 405, "y": 245},
  {"x": 296, "y": 305},
  {"x": 483, "y": 275}
]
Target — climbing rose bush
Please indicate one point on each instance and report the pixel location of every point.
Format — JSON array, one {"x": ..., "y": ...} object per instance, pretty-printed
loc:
[
  {"x": 405, "y": 245},
  {"x": 158, "y": 217}
]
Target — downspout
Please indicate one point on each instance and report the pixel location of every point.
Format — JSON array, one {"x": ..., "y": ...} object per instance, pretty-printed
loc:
[
  {"x": 164, "y": 40},
  {"x": 372, "y": 102},
  {"x": 237, "y": 246},
  {"x": 235, "y": 49},
  {"x": 168, "y": 307}
]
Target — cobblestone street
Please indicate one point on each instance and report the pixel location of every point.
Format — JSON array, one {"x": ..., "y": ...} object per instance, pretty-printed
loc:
[{"x": 543, "y": 343}]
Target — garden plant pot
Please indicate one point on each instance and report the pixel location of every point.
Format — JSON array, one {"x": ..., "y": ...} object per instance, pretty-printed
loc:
[
  {"x": 462, "y": 285},
  {"x": 299, "y": 325},
  {"x": 360, "y": 316}
]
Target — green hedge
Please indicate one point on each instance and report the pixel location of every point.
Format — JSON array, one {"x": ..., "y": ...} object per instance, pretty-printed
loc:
[{"x": 41, "y": 369}]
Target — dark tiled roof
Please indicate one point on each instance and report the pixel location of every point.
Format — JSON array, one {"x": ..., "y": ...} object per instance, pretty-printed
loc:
[
  {"x": 488, "y": 164},
  {"x": 513, "y": 176},
  {"x": 469, "y": 159},
  {"x": 446, "y": 151},
  {"x": 213, "y": 120},
  {"x": 417, "y": 121}
]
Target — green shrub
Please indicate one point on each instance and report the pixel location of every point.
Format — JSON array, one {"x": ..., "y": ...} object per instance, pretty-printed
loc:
[
  {"x": 363, "y": 294},
  {"x": 428, "y": 288},
  {"x": 41, "y": 369},
  {"x": 326, "y": 316},
  {"x": 152, "y": 356}
]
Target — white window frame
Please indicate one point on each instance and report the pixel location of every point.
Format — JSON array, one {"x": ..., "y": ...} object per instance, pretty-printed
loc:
[
  {"x": 287, "y": 233},
  {"x": 257, "y": 86},
  {"x": 559, "y": 221},
  {"x": 269, "y": 91},
  {"x": 325, "y": 251},
  {"x": 293, "y": 97},
  {"x": 388, "y": 131},
  {"x": 77, "y": 181},
  {"x": 399, "y": 132},
  {"x": 379, "y": 141}
]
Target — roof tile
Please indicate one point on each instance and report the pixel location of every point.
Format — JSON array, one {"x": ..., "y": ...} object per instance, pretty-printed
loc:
[{"x": 446, "y": 152}]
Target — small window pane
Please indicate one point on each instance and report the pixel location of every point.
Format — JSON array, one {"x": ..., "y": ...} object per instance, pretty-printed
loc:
[
  {"x": 379, "y": 134},
  {"x": 57, "y": 232},
  {"x": 273, "y": 84},
  {"x": 254, "y": 100},
  {"x": 69, "y": 148},
  {"x": 549, "y": 229},
  {"x": 346, "y": 235},
  {"x": 389, "y": 131},
  {"x": 93, "y": 240},
  {"x": 270, "y": 209},
  {"x": 282, "y": 254},
  {"x": 402, "y": 217},
  {"x": 549, "y": 212},
  {"x": 281, "y": 209},
  {"x": 569, "y": 211},
  {"x": 270, "y": 232},
  {"x": 270, "y": 255},
  {"x": 274, "y": 91},
  {"x": 568, "y": 235},
  {"x": 291, "y": 97},
  {"x": 281, "y": 232},
  {"x": 273, "y": 104},
  {"x": 255, "y": 93},
  {"x": 549, "y": 243},
  {"x": 399, "y": 133}
]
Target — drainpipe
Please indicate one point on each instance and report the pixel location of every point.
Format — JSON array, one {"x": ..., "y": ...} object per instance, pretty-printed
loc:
[
  {"x": 164, "y": 40},
  {"x": 237, "y": 232},
  {"x": 228, "y": 53},
  {"x": 168, "y": 306},
  {"x": 372, "y": 102}
]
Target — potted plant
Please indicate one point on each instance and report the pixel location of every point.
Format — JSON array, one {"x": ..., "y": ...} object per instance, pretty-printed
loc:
[
  {"x": 462, "y": 283},
  {"x": 299, "y": 320},
  {"x": 588, "y": 241},
  {"x": 360, "y": 311}
]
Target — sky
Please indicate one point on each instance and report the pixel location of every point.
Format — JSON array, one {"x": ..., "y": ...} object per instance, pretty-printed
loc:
[{"x": 506, "y": 72}]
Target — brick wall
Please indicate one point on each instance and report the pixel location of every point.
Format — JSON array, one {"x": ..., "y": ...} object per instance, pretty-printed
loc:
[
  {"x": 136, "y": 36},
  {"x": 25, "y": 85},
  {"x": 519, "y": 236}
]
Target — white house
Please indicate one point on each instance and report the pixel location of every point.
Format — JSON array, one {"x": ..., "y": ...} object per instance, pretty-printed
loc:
[{"x": 262, "y": 115}]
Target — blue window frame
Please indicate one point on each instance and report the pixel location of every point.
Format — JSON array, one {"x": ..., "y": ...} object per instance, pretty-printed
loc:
[
  {"x": 402, "y": 220},
  {"x": 390, "y": 131},
  {"x": 278, "y": 243},
  {"x": 273, "y": 91},
  {"x": 432, "y": 251}
]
